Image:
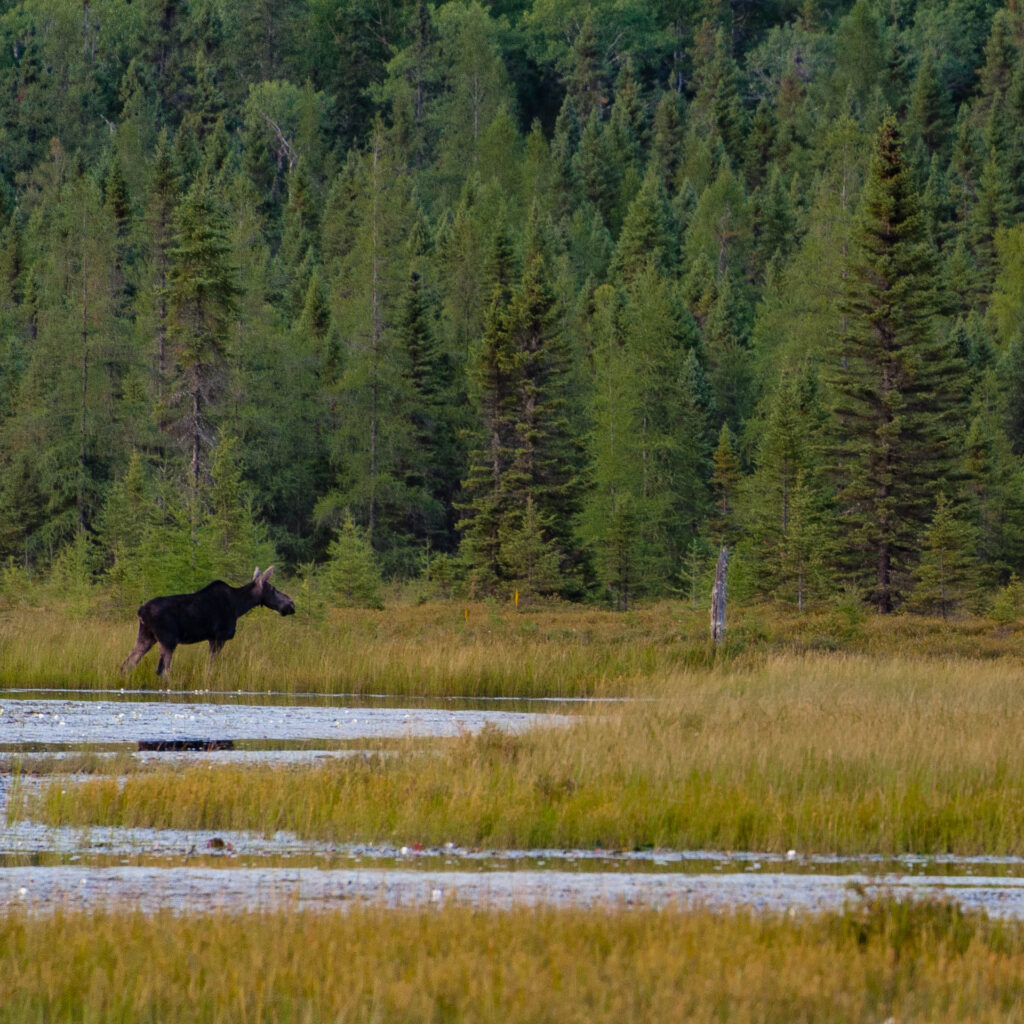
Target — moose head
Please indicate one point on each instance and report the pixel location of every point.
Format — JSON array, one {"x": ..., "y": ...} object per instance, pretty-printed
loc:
[{"x": 268, "y": 596}]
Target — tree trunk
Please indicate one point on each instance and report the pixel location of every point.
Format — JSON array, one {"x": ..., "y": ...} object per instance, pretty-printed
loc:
[{"x": 718, "y": 598}]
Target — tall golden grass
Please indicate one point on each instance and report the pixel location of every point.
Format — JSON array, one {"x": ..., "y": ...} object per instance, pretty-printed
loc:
[
  {"x": 826, "y": 753},
  {"x": 423, "y": 650},
  {"x": 884, "y": 961},
  {"x": 477, "y": 649}
]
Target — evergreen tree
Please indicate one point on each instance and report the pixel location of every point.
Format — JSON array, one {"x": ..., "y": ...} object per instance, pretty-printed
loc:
[
  {"x": 723, "y": 521},
  {"x": 946, "y": 578},
  {"x": 523, "y": 386},
  {"x": 230, "y": 537},
  {"x": 529, "y": 558},
  {"x": 351, "y": 573},
  {"x": 716, "y": 104},
  {"x": 492, "y": 387},
  {"x": 783, "y": 504},
  {"x": 930, "y": 117},
  {"x": 774, "y": 222},
  {"x": 373, "y": 436},
  {"x": 122, "y": 528},
  {"x": 646, "y": 233},
  {"x": 899, "y": 390},
  {"x": 202, "y": 305},
  {"x": 586, "y": 79}
]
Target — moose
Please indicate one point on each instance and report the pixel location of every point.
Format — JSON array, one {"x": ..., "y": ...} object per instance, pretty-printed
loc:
[{"x": 209, "y": 614}]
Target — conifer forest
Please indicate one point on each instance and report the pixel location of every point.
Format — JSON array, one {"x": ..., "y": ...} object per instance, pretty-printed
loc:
[{"x": 547, "y": 296}]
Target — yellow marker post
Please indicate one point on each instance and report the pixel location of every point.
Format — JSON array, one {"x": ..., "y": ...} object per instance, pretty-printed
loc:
[
  {"x": 517, "y": 598},
  {"x": 467, "y": 615}
]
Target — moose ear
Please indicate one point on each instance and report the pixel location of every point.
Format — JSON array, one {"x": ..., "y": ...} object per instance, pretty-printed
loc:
[
  {"x": 266, "y": 574},
  {"x": 256, "y": 574}
]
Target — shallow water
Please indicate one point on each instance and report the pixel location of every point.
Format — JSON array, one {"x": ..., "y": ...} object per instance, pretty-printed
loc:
[
  {"x": 65, "y": 721},
  {"x": 43, "y": 867},
  {"x": 282, "y": 698},
  {"x": 209, "y": 889}
]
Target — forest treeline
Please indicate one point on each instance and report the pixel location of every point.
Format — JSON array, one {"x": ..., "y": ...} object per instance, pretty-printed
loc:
[{"x": 536, "y": 295}]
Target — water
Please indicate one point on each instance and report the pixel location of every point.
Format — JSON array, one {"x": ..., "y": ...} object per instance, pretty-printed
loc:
[
  {"x": 209, "y": 889},
  {"x": 62, "y": 721},
  {"x": 43, "y": 868}
]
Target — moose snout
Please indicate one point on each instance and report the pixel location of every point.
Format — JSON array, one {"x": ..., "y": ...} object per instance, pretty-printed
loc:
[{"x": 289, "y": 608}]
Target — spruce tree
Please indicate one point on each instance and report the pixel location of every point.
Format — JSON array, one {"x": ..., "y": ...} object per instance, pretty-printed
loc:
[
  {"x": 202, "y": 294},
  {"x": 784, "y": 507},
  {"x": 351, "y": 573},
  {"x": 522, "y": 384},
  {"x": 492, "y": 389},
  {"x": 946, "y": 578},
  {"x": 723, "y": 521},
  {"x": 899, "y": 390}
]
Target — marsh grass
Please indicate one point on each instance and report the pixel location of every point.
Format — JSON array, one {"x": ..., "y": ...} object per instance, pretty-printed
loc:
[
  {"x": 884, "y": 960},
  {"x": 445, "y": 649},
  {"x": 818, "y": 753},
  {"x": 425, "y": 650}
]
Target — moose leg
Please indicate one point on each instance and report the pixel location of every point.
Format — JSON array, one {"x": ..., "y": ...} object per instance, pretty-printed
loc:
[
  {"x": 163, "y": 666},
  {"x": 215, "y": 646},
  {"x": 142, "y": 644}
]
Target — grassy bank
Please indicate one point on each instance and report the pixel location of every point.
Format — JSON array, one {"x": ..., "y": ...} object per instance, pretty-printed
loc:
[
  {"x": 476, "y": 649},
  {"x": 824, "y": 753},
  {"x": 884, "y": 961}
]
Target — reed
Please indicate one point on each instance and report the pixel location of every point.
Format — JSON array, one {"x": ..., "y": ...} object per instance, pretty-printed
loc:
[
  {"x": 818, "y": 753},
  {"x": 444, "y": 649},
  {"x": 883, "y": 961},
  {"x": 423, "y": 650}
]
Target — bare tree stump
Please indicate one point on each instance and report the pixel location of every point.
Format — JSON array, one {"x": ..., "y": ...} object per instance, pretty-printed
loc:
[{"x": 718, "y": 598}]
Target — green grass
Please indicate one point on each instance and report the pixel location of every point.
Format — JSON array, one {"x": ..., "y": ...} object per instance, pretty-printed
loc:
[
  {"x": 821, "y": 753},
  {"x": 882, "y": 961}
]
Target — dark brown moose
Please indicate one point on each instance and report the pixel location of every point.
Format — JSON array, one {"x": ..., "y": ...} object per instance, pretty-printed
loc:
[{"x": 209, "y": 614}]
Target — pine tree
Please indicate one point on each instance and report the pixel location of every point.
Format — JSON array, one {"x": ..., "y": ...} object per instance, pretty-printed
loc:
[
  {"x": 202, "y": 298},
  {"x": 492, "y": 387},
  {"x": 723, "y": 525},
  {"x": 730, "y": 361},
  {"x": 647, "y": 232},
  {"x": 717, "y": 102},
  {"x": 783, "y": 504},
  {"x": 373, "y": 437},
  {"x": 667, "y": 137},
  {"x": 231, "y": 538},
  {"x": 522, "y": 386},
  {"x": 930, "y": 115},
  {"x": 586, "y": 79},
  {"x": 899, "y": 390},
  {"x": 122, "y": 528},
  {"x": 530, "y": 560},
  {"x": 351, "y": 573},
  {"x": 946, "y": 578},
  {"x": 436, "y": 454},
  {"x": 774, "y": 222}
]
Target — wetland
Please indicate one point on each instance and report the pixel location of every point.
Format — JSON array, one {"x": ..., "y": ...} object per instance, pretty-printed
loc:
[{"x": 756, "y": 796}]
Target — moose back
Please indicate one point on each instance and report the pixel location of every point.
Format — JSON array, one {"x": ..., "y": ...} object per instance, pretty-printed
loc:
[{"x": 209, "y": 614}]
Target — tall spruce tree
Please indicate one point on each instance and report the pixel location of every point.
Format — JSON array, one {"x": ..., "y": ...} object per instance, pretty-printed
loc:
[
  {"x": 202, "y": 305},
  {"x": 523, "y": 374},
  {"x": 783, "y": 506},
  {"x": 491, "y": 383},
  {"x": 899, "y": 389}
]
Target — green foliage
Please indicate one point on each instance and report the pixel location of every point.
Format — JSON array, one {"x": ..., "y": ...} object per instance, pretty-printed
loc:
[
  {"x": 350, "y": 574},
  {"x": 947, "y": 576},
  {"x": 272, "y": 223},
  {"x": 899, "y": 389},
  {"x": 1008, "y": 605}
]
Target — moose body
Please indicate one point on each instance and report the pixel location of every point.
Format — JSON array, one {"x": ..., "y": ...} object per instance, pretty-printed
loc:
[{"x": 210, "y": 614}]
